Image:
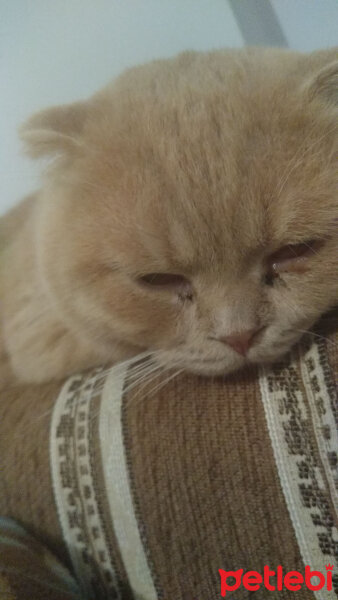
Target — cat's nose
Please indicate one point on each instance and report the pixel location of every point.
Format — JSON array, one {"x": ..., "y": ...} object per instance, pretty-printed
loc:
[{"x": 240, "y": 341}]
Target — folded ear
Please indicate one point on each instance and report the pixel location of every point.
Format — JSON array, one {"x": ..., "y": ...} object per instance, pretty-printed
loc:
[
  {"x": 54, "y": 130},
  {"x": 325, "y": 84}
]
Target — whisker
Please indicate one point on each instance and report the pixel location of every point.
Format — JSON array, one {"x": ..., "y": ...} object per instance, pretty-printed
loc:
[
  {"x": 141, "y": 378},
  {"x": 317, "y": 335},
  {"x": 137, "y": 399},
  {"x": 129, "y": 362}
]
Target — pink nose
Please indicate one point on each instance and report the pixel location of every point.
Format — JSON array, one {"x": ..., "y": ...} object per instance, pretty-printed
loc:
[{"x": 240, "y": 341}]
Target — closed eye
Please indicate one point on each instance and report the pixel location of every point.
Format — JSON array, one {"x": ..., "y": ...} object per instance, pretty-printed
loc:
[
  {"x": 291, "y": 258},
  {"x": 172, "y": 282}
]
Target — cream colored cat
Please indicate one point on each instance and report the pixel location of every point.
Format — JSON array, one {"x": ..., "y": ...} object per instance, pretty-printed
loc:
[{"x": 191, "y": 208}]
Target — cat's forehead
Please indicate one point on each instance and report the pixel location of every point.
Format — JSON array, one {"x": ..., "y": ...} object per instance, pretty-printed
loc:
[
  {"x": 214, "y": 207},
  {"x": 263, "y": 189},
  {"x": 222, "y": 164}
]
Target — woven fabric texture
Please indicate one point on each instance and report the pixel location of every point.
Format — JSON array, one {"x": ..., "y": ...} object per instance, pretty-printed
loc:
[{"x": 147, "y": 489}]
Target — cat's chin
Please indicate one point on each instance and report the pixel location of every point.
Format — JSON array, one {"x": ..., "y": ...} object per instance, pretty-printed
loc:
[
  {"x": 215, "y": 369},
  {"x": 226, "y": 366}
]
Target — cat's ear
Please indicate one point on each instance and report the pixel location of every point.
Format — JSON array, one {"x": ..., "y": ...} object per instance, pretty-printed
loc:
[
  {"x": 54, "y": 130},
  {"x": 325, "y": 84}
]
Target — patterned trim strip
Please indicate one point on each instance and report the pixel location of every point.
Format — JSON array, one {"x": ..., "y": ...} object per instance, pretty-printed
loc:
[
  {"x": 74, "y": 491},
  {"x": 316, "y": 387},
  {"x": 304, "y": 476},
  {"x": 80, "y": 504},
  {"x": 118, "y": 487}
]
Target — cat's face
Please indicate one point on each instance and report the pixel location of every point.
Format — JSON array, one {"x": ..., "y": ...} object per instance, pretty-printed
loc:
[{"x": 195, "y": 209}]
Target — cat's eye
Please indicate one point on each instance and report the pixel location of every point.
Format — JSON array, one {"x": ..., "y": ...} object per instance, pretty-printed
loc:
[
  {"x": 291, "y": 258},
  {"x": 168, "y": 281}
]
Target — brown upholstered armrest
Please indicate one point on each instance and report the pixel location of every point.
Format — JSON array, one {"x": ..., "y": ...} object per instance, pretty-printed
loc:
[{"x": 148, "y": 489}]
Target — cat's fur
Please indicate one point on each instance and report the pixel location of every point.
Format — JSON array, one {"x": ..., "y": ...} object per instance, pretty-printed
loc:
[{"x": 202, "y": 165}]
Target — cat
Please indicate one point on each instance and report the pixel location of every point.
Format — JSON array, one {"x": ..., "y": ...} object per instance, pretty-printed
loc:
[{"x": 190, "y": 210}]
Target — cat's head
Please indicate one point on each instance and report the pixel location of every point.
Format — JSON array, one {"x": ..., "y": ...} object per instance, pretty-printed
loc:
[{"x": 193, "y": 207}]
